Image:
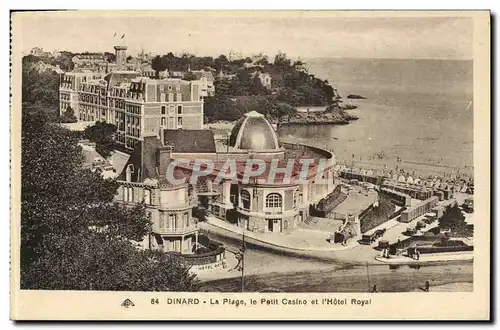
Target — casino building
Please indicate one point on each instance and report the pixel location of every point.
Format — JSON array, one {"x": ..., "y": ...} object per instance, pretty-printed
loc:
[{"x": 260, "y": 205}]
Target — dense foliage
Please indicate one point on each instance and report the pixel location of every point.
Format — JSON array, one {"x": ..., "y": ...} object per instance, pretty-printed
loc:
[
  {"x": 69, "y": 116},
  {"x": 73, "y": 237},
  {"x": 39, "y": 88},
  {"x": 454, "y": 220},
  {"x": 103, "y": 135}
]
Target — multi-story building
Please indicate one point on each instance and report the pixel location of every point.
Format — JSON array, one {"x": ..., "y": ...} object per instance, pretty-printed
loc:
[
  {"x": 69, "y": 86},
  {"x": 258, "y": 205},
  {"x": 169, "y": 207},
  {"x": 140, "y": 106}
]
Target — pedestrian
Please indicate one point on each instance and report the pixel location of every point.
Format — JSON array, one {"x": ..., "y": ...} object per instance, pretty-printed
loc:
[
  {"x": 374, "y": 289},
  {"x": 427, "y": 286}
]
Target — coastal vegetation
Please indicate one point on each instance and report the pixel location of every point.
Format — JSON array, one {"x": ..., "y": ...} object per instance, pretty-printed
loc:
[
  {"x": 103, "y": 135},
  {"x": 73, "y": 236},
  {"x": 69, "y": 116},
  {"x": 39, "y": 87},
  {"x": 239, "y": 88}
]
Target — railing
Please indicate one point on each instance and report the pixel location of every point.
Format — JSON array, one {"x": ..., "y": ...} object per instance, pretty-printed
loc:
[
  {"x": 216, "y": 253},
  {"x": 165, "y": 207},
  {"x": 183, "y": 230}
]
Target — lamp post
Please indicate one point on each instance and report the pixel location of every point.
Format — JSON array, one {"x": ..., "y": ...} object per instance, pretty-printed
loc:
[{"x": 242, "y": 255}]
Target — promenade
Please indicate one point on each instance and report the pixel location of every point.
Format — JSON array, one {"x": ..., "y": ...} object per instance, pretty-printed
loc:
[
  {"x": 299, "y": 239},
  {"x": 428, "y": 258}
]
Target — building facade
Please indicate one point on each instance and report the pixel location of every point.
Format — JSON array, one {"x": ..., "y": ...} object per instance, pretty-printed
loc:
[
  {"x": 69, "y": 87},
  {"x": 261, "y": 204},
  {"x": 138, "y": 106}
]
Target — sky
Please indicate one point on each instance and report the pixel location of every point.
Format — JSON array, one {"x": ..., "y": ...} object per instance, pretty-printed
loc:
[{"x": 298, "y": 34}]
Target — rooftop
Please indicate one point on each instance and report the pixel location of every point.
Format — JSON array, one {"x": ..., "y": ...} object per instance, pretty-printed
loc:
[{"x": 190, "y": 141}]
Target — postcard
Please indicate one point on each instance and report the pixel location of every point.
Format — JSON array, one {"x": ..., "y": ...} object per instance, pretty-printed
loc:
[{"x": 250, "y": 165}]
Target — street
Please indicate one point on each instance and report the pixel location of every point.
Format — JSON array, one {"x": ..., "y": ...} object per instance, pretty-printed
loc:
[{"x": 270, "y": 270}]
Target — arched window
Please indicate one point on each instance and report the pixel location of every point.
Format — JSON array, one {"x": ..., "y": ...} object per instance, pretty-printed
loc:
[
  {"x": 245, "y": 199},
  {"x": 274, "y": 201}
]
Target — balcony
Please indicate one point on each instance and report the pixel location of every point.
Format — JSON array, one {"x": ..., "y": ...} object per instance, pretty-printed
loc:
[
  {"x": 268, "y": 214},
  {"x": 178, "y": 231},
  {"x": 179, "y": 207}
]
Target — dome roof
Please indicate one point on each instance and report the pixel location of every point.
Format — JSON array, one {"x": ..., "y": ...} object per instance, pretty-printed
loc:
[{"x": 253, "y": 132}]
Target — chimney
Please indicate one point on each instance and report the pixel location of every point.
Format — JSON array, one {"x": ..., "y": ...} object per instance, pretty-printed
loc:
[{"x": 163, "y": 158}]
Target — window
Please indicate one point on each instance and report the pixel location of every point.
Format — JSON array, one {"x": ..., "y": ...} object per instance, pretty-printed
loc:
[
  {"x": 169, "y": 87},
  {"x": 171, "y": 221},
  {"x": 179, "y": 97},
  {"x": 273, "y": 200},
  {"x": 163, "y": 220},
  {"x": 147, "y": 196},
  {"x": 245, "y": 199},
  {"x": 179, "y": 110},
  {"x": 130, "y": 194},
  {"x": 162, "y": 97},
  {"x": 294, "y": 198},
  {"x": 163, "y": 109},
  {"x": 163, "y": 122},
  {"x": 125, "y": 194},
  {"x": 179, "y": 121},
  {"x": 130, "y": 170},
  {"x": 170, "y": 97}
]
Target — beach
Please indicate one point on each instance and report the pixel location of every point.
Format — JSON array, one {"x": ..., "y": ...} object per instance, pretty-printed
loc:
[{"x": 418, "y": 110}]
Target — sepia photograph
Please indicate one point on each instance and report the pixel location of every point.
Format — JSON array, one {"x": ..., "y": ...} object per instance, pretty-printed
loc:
[{"x": 305, "y": 158}]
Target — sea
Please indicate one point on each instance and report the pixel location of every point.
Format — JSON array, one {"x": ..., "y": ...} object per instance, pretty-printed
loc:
[{"x": 418, "y": 110}]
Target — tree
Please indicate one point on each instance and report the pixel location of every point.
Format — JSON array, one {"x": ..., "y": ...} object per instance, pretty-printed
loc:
[
  {"x": 68, "y": 116},
  {"x": 221, "y": 62},
  {"x": 263, "y": 61},
  {"x": 109, "y": 57},
  {"x": 39, "y": 88},
  {"x": 454, "y": 220},
  {"x": 158, "y": 65},
  {"x": 189, "y": 76},
  {"x": 103, "y": 135},
  {"x": 73, "y": 237}
]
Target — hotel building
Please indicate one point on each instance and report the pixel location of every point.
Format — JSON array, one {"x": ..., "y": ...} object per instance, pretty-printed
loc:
[{"x": 139, "y": 106}]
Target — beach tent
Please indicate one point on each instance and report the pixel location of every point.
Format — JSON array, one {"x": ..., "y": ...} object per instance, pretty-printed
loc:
[
  {"x": 417, "y": 181},
  {"x": 409, "y": 180},
  {"x": 395, "y": 177},
  {"x": 369, "y": 172},
  {"x": 342, "y": 168},
  {"x": 337, "y": 168},
  {"x": 362, "y": 172},
  {"x": 402, "y": 178}
]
